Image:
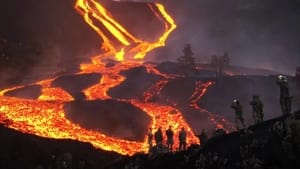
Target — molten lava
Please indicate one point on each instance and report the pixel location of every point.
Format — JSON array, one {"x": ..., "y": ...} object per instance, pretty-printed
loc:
[
  {"x": 45, "y": 116},
  {"x": 216, "y": 119},
  {"x": 92, "y": 10}
]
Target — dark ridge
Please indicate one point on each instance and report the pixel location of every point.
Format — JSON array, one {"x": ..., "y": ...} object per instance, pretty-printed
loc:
[
  {"x": 260, "y": 145},
  {"x": 260, "y": 131},
  {"x": 26, "y": 151},
  {"x": 114, "y": 118},
  {"x": 265, "y": 140},
  {"x": 26, "y": 92},
  {"x": 168, "y": 67},
  {"x": 74, "y": 84},
  {"x": 206, "y": 70}
]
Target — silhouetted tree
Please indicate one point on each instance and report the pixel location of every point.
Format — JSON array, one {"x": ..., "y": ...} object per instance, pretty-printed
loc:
[
  {"x": 214, "y": 62},
  {"x": 187, "y": 59},
  {"x": 220, "y": 63},
  {"x": 225, "y": 59},
  {"x": 298, "y": 72}
]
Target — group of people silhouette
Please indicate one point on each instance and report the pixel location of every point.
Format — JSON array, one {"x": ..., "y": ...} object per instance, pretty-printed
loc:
[
  {"x": 257, "y": 113},
  {"x": 159, "y": 138},
  {"x": 257, "y": 105}
]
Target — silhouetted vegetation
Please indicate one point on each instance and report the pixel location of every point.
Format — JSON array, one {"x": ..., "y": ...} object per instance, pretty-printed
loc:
[
  {"x": 298, "y": 72},
  {"x": 187, "y": 60},
  {"x": 219, "y": 63}
]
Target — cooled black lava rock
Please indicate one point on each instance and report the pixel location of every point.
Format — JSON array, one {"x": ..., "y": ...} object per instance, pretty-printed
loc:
[
  {"x": 114, "y": 118},
  {"x": 26, "y": 92},
  {"x": 21, "y": 150},
  {"x": 74, "y": 84},
  {"x": 136, "y": 83},
  {"x": 179, "y": 90}
]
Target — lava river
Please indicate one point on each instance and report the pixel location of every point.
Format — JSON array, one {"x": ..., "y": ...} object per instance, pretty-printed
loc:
[{"x": 45, "y": 116}]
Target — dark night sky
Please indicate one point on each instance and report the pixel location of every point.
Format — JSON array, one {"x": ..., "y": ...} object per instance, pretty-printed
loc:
[{"x": 256, "y": 33}]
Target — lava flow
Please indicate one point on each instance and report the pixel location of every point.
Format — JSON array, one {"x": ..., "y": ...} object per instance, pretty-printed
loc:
[
  {"x": 45, "y": 116},
  {"x": 92, "y": 10},
  {"x": 216, "y": 119}
]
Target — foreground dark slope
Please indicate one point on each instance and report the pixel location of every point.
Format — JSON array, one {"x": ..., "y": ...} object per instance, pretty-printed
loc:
[
  {"x": 27, "y": 151},
  {"x": 263, "y": 146}
]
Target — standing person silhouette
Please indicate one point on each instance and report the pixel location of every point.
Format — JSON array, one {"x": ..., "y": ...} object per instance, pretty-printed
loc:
[
  {"x": 170, "y": 140},
  {"x": 182, "y": 139},
  {"x": 150, "y": 138},
  {"x": 238, "y": 110}
]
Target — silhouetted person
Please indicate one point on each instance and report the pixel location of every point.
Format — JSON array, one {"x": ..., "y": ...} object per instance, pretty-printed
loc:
[
  {"x": 257, "y": 109},
  {"x": 170, "y": 140},
  {"x": 285, "y": 98},
  {"x": 150, "y": 138},
  {"x": 203, "y": 137},
  {"x": 238, "y": 108},
  {"x": 158, "y": 136},
  {"x": 182, "y": 139},
  {"x": 219, "y": 132}
]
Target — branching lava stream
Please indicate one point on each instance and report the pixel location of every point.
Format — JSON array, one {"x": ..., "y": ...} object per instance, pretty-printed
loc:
[{"x": 45, "y": 116}]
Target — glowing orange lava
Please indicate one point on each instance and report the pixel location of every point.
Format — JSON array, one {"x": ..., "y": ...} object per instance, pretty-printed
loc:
[
  {"x": 45, "y": 116},
  {"x": 216, "y": 119},
  {"x": 93, "y": 10}
]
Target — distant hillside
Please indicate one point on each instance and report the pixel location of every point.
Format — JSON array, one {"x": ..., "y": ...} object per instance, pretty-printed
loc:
[
  {"x": 173, "y": 67},
  {"x": 238, "y": 70}
]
